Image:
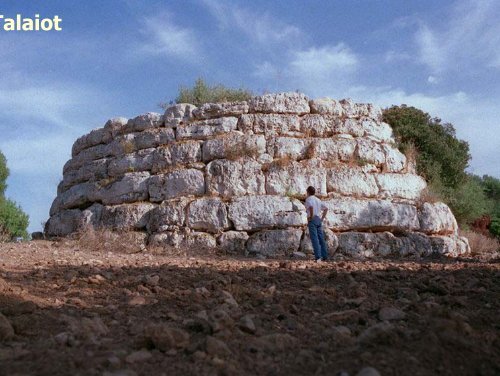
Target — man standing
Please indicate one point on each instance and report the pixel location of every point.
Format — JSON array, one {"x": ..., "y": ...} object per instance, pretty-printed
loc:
[{"x": 314, "y": 208}]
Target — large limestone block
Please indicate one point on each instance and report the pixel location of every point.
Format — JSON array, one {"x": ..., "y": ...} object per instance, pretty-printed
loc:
[
  {"x": 358, "y": 110},
  {"x": 326, "y": 106},
  {"x": 203, "y": 129},
  {"x": 92, "y": 171},
  {"x": 134, "y": 162},
  {"x": 395, "y": 161},
  {"x": 449, "y": 245},
  {"x": 414, "y": 243},
  {"x": 207, "y": 214},
  {"x": 406, "y": 186},
  {"x": 100, "y": 151},
  {"x": 269, "y": 124},
  {"x": 316, "y": 125},
  {"x": 353, "y": 214},
  {"x": 64, "y": 223},
  {"x": 365, "y": 244},
  {"x": 290, "y": 147},
  {"x": 169, "y": 215},
  {"x": 437, "y": 218},
  {"x": 95, "y": 137},
  {"x": 91, "y": 216},
  {"x": 178, "y": 114},
  {"x": 233, "y": 241},
  {"x": 351, "y": 181},
  {"x": 335, "y": 148},
  {"x": 274, "y": 242},
  {"x": 213, "y": 110},
  {"x": 235, "y": 178},
  {"x": 176, "y": 154},
  {"x": 133, "y": 186},
  {"x": 369, "y": 151},
  {"x": 116, "y": 125},
  {"x": 330, "y": 239},
  {"x": 378, "y": 130},
  {"x": 126, "y": 217},
  {"x": 281, "y": 103},
  {"x": 142, "y": 122},
  {"x": 294, "y": 178},
  {"x": 190, "y": 241},
  {"x": 349, "y": 126},
  {"x": 187, "y": 182},
  {"x": 233, "y": 146},
  {"x": 153, "y": 138},
  {"x": 258, "y": 212},
  {"x": 77, "y": 196}
]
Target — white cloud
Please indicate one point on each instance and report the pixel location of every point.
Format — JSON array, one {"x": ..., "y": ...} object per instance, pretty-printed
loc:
[
  {"x": 259, "y": 27},
  {"x": 166, "y": 38},
  {"x": 468, "y": 39},
  {"x": 324, "y": 60}
]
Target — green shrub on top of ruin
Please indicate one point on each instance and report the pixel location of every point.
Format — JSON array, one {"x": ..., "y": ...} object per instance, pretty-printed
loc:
[{"x": 201, "y": 93}]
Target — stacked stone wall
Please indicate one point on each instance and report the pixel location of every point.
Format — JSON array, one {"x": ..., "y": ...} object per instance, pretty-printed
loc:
[{"x": 233, "y": 176}]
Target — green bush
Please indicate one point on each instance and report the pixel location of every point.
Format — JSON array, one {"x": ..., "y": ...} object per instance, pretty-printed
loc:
[
  {"x": 468, "y": 201},
  {"x": 202, "y": 93},
  {"x": 13, "y": 221},
  {"x": 495, "y": 227}
]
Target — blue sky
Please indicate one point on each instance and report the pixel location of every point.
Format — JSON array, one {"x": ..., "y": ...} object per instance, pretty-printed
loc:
[{"x": 123, "y": 57}]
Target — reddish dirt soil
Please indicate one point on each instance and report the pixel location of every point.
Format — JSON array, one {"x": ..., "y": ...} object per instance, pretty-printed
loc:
[{"x": 70, "y": 311}]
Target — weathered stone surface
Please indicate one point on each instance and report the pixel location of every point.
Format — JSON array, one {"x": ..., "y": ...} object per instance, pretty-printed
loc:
[
  {"x": 235, "y": 178},
  {"x": 353, "y": 214},
  {"x": 152, "y": 138},
  {"x": 437, "y": 218},
  {"x": 407, "y": 186},
  {"x": 290, "y": 147},
  {"x": 116, "y": 125},
  {"x": 95, "y": 137},
  {"x": 178, "y": 114},
  {"x": 176, "y": 154},
  {"x": 92, "y": 171},
  {"x": 207, "y": 214},
  {"x": 449, "y": 245},
  {"x": 203, "y": 129},
  {"x": 281, "y": 103},
  {"x": 213, "y": 110},
  {"x": 269, "y": 124},
  {"x": 339, "y": 148},
  {"x": 368, "y": 151},
  {"x": 234, "y": 146},
  {"x": 329, "y": 149},
  {"x": 87, "y": 155},
  {"x": 326, "y": 106},
  {"x": 168, "y": 215},
  {"x": 349, "y": 126},
  {"x": 64, "y": 223},
  {"x": 256, "y": 212},
  {"x": 378, "y": 130},
  {"x": 295, "y": 177},
  {"x": 133, "y": 186},
  {"x": 126, "y": 217},
  {"x": 77, "y": 196},
  {"x": 134, "y": 162},
  {"x": 331, "y": 240},
  {"x": 395, "y": 161},
  {"x": 351, "y": 181},
  {"x": 187, "y": 182},
  {"x": 367, "y": 244},
  {"x": 274, "y": 242},
  {"x": 142, "y": 122},
  {"x": 192, "y": 240},
  {"x": 316, "y": 125},
  {"x": 233, "y": 241}
]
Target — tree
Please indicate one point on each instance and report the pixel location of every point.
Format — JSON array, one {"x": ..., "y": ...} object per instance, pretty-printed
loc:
[
  {"x": 202, "y": 93},
  {"x": 13, "y": 221},
  {"x": 441, "y": 158}
]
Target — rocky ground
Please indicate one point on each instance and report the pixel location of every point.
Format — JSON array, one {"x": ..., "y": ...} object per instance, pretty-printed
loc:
[{"x": 66, "y": 310}]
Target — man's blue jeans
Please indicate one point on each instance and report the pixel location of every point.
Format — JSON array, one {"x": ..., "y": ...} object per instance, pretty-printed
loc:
[{"x": 317, "y": 238}]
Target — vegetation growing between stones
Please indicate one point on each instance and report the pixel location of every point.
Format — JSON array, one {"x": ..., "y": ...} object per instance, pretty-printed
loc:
[
  {"x": 13, "y": 221},
  {"x": 202, "y": 93}
]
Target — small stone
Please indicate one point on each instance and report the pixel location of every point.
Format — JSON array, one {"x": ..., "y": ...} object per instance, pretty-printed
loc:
[
  {"x": 137, "y": 300},
  {"x": 247, "y": 325},
  {"x": 152, "y": 280},
  {"x": 216, "y": 347},
  {"x": 138, "y": 356},
  {"x": 229, "y": 299},
  {"x": 166, "y": 338},
  {"x": 299, "y": 255},
  {"x": 391, "y": 313},
  {"x": 368, "y": 371},
  {"x": 6, "y": 329}
]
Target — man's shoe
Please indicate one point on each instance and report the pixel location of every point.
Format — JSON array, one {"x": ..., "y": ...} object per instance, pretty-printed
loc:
[{"x": 319, "y": 260}]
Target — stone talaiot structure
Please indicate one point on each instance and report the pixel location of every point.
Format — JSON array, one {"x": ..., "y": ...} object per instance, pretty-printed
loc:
[{"x": 232, "y": 175}]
